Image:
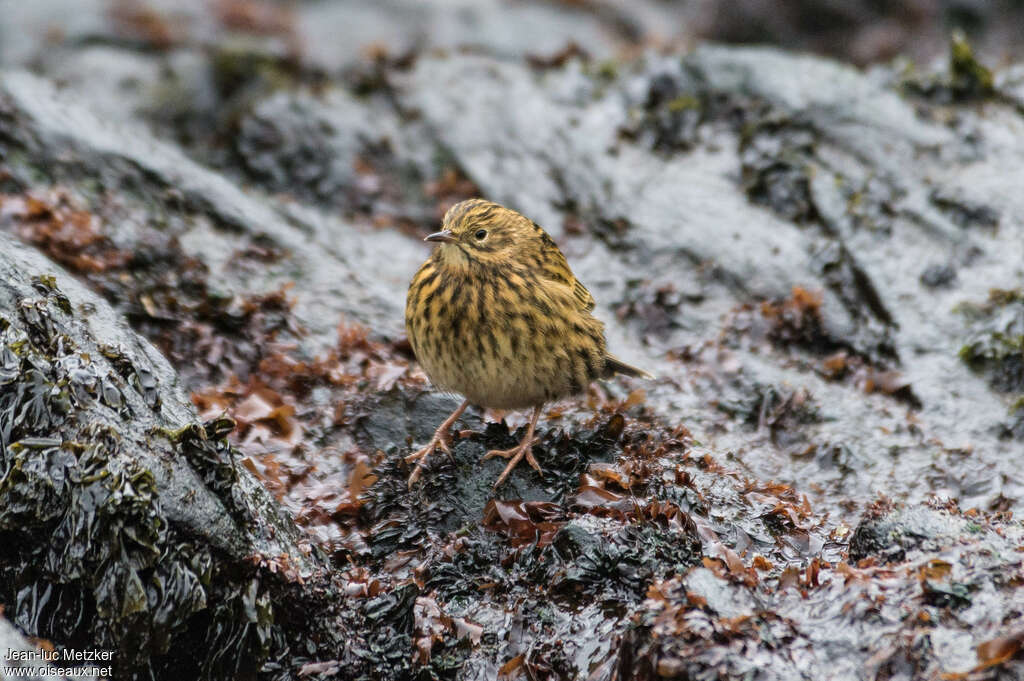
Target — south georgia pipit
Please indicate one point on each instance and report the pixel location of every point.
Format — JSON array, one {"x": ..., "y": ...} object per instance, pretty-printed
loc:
[{"x": 496, "y": 315}]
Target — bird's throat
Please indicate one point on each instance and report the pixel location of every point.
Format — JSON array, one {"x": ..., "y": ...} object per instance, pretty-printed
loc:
[{"x": 452, "y": 258}]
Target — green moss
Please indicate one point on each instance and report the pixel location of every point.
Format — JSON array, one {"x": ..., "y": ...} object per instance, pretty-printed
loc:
[
  {"x": 240, "y": 64},
  {"x": 173, "y": 435},
  {"x": 999, "y": 297},
  {"x": 995, "y": 343},
  {"x": 968, "y": 77},
  {"x": 607, "y": 69},
  {"x": 47, "y": 282},
  {"x": 683, "y": 103},
  {"x": 991, "y": 346}
]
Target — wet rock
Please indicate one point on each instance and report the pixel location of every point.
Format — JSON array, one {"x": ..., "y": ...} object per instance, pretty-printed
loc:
[
  {"x": 401, "y": 27},
  {"x": 964, "y": 213},
  {"x": 936, "y": 276},
  {"x": 857, "y": 31},
  {"x": 329, "y": 36},
  {"x": 323, "y": 149},
  {"x": 454, "y": 492},
  {"x": 904, "y": 535},
  {"x": 943, "y": 561},
  {"x": 201, "y": 245},
  {"x": 753, "y": 225}
]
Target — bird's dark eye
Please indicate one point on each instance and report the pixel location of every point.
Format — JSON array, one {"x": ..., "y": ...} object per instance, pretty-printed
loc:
[{"x": 480, "y": 234}]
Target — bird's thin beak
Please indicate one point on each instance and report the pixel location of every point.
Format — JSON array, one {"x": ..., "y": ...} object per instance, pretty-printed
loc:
[{"x": 444, "y": 236}]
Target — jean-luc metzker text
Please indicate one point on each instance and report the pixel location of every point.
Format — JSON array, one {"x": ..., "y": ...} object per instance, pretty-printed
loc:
[{"x": 66, "y": 655}]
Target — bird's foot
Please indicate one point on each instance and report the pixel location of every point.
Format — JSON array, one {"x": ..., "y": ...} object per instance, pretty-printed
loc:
[
  {"x": 442, "y": 438},
  {"x": 524, "y": 448}
]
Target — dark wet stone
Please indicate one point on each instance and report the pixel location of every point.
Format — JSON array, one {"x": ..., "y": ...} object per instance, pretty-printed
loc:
[
  {"x": 1015, "y": 427},
  {"x": 900, "y": 536},
  {"x": 965, "y": 213},
  {"x": 574, "y": 539},
  {"x": 725, "y": 599},
  {"x": 938, "y": 276},
  {"x": 305, "y": 147}
]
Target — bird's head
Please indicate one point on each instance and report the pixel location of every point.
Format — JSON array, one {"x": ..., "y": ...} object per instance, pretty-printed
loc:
[{"x": 485, "y": 232}]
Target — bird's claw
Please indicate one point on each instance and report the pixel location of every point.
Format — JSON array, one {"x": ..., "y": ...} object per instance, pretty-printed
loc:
[
  {"x": 523, "y": 449},
  {"x": 439, "y": 441},
  {"x": 443, "y": 446}
]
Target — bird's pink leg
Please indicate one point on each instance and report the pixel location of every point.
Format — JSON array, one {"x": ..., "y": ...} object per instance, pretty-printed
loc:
[
  {"x": 524, "y": 448},
  {"x": 442, "y": 438}
]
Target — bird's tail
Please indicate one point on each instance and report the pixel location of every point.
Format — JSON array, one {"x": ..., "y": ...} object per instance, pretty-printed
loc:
[{"x": 613, "y": 365}]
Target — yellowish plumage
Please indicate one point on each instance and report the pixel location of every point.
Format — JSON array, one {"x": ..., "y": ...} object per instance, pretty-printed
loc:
[{"x": 497, "y": 315}]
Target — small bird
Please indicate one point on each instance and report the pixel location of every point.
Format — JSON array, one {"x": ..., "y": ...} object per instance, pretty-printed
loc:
[{"x": 496, "y": 315}]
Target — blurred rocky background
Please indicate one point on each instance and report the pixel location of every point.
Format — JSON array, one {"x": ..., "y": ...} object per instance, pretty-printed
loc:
[{"x": 804, "y": 218}]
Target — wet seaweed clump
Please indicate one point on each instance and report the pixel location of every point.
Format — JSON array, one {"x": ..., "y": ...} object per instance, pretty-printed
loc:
[
  {"x": 560, "y": 574},
  {"x": 797, "y": 320},
  {"x": 661, "y": 542},
  {"x": 210, "y": 337},
  {"x": 776, "y": 154},
  {"x": 69, "y": 234},
  {"x": 289, "y": 402},
  {"x": 797, "y": 323},
  {"x": 915, "y": 566},
  {"x": 457, "y": 493},
  {"x": 654, "y": 307},
  {"x": 676, "y": 636},
  {"x": 892, "y": 532},
  {"x": 793, "y": 322},
  {"x": 114, "y": 572},
  {"x": 995, "y": 344},
  {"x": 563, "y": 555},
  {"x": 166, "y": 294},
  {"x": 669, "y": 119}
]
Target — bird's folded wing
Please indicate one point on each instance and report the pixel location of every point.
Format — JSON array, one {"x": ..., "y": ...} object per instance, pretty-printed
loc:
[
  {"x": 557, "y": 271},
  {"x": 582, "y": 295}
]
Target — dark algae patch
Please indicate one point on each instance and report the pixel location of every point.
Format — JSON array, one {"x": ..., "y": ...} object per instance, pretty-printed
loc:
[
  {"x": 151, "y": 545},
  {"x": 995, "y": 346},
  {"x": 526, "y": 582}
]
